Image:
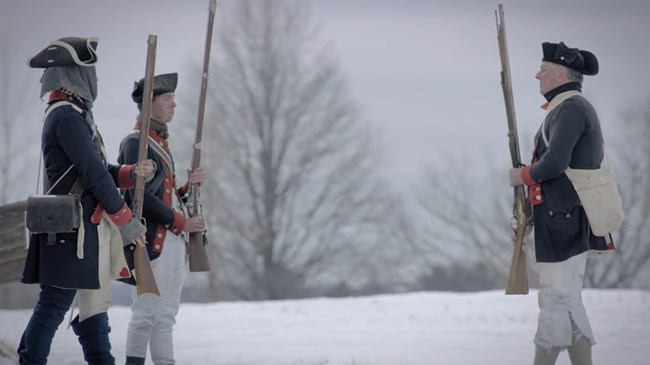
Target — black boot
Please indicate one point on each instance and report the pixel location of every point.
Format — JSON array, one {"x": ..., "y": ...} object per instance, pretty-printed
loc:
[
  {"x": 131, "y": 360},
  {"x": 93, "y": 337}
]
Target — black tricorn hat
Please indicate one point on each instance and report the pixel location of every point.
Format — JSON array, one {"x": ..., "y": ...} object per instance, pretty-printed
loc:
[
  {"x": 68, "y": 51},
  {"x": 584, "y": 62},
  {"x": 165, "y": 83}
]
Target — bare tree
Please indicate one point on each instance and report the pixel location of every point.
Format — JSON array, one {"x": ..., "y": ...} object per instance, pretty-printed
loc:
[
  {"x": 465, "y": 216},
  {"x": 629, "y": 265},
  {"x": 294, "y": 198},
  {"x": 17, "y": 156}
]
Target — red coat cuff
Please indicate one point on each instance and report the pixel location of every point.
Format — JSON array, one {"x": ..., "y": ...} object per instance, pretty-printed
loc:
[
  {"x": 178, "y": 224},
  {"x": 124, "y": 179},
  {"x": 525, "y": 175},
  {"x": 122, "y": 216}
]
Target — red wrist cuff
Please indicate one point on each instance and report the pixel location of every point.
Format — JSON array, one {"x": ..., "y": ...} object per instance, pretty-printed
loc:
[
  {"x": 178, "y": 224},
  {"x": 525, "y": 175},
  {"x": 124, "y": 179},
  {"x": 122, "y": 216}
]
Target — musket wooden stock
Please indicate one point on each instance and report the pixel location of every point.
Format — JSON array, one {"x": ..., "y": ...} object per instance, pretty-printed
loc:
[
  {"x": 518, "y": 277},
  {"x": 145, "y": 281},
  {"x": 198, "y": 254}
]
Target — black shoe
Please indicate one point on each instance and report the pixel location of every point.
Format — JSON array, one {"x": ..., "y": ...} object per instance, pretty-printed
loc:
[{"x": 130, "y": 360}]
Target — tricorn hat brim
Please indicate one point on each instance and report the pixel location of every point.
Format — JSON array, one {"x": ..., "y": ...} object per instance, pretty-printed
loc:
[
  {"x": 68, "y": 51},
  {"x": 165, "y": 83}
]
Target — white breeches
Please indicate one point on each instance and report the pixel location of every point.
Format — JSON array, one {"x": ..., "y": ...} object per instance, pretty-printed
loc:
[
  {"x": 94, "y": 301},
  {"x": 152, "y": 320},
  {"x": 109, "y": 263},
  {"x": 560, "y": 302}
]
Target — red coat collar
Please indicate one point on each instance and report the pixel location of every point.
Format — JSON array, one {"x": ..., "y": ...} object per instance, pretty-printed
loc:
[
  {"x": 161, "y": 141},
  {"x": 57, "y": 95}
]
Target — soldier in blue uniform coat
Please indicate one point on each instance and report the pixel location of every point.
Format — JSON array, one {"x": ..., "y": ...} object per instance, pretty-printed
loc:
[
  {"x": 570, "y": 136},
  {"x": 82, "y": 262},
  {"x": 151, "y": 325}
]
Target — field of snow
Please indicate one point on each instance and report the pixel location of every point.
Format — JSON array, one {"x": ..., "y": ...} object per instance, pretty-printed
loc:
[{"x": 416, "y": 329}]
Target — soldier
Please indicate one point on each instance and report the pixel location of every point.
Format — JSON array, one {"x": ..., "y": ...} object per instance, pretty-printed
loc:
[
  {"x": 569, "y": 137},
  {"x": 82, "y": 262},
  {"x": 152, "y": 324}
]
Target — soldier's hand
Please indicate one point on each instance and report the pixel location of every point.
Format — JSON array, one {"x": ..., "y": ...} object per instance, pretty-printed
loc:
[
  {"x": 133, "y": 231},
  {"x": 193, "y": 225},
  {"x": 515, "y": 177},
  {"x": 197, "y": 176},
  {"x": 141, "y": 241},
  {"x": 527, "y": 232},
  {"x": 146, "y": 168}
]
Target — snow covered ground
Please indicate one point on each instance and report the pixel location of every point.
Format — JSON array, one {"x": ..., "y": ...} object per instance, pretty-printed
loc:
[{"x": 416, "y": 329}]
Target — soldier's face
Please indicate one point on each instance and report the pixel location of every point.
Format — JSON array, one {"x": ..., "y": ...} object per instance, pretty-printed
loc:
[
  {"x": 550, "y": 76},
  {"x": 162, "y": 107}
]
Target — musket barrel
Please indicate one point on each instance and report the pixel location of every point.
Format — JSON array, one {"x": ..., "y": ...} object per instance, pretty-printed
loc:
[
  {"x": 145, "y": 280},
  {"x": 518, "y": 276},
  {"x": 198, "y": 255}
]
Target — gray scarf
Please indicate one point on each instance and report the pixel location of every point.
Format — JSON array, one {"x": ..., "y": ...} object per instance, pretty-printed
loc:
[
  {"x": 81, "y": 80},
  {"x": 159, "y": 128}
]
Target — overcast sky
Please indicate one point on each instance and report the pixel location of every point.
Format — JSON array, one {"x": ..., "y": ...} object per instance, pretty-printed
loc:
[{"x": 425, "y": 73}]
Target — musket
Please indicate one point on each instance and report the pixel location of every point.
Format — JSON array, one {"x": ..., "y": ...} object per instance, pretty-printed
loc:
[
  {"x": 145, "y": 281},
  {"x": 198, "y": 241},
  {"x": 518, "y": 276}
]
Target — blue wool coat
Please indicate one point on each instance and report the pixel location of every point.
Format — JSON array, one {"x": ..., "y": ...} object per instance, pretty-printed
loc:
[
  {"x": 576, "y": 141},
  {"x": 67, "y": 139},
  {"x": 158, "y": 211}
]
